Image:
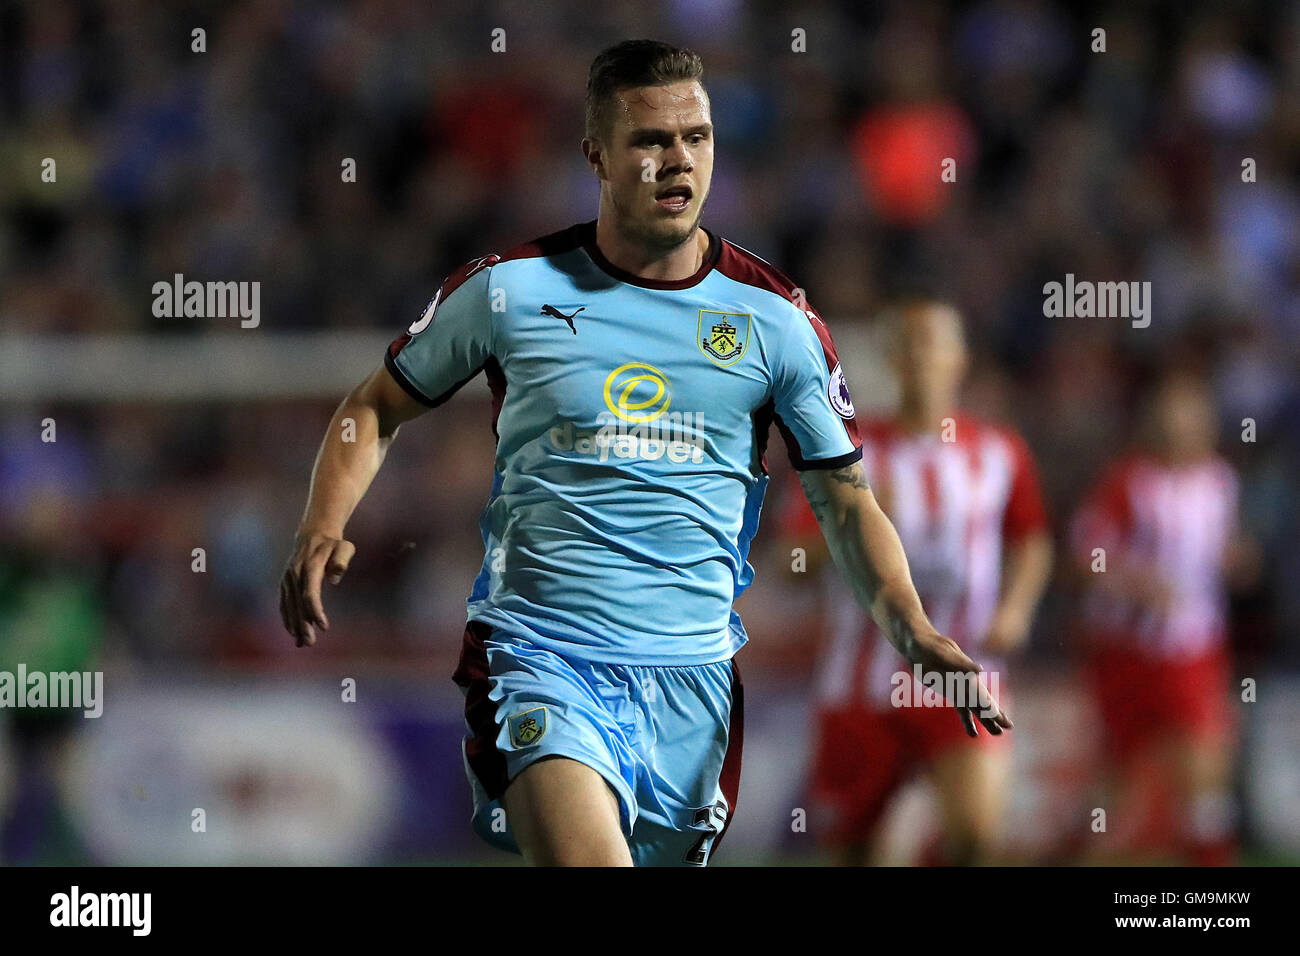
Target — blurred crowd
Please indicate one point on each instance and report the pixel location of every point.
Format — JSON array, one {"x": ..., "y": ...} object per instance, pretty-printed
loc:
[{"x": 833, "y": 119}]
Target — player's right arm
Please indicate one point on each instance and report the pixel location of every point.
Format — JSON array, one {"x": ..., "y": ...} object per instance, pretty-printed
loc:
[
  {"x": 371, "y": 414},
  {"x": 449, "y": 344}
]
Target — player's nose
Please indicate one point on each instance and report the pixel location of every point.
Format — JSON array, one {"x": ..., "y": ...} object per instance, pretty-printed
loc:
[{"x": 677, "y": 158}]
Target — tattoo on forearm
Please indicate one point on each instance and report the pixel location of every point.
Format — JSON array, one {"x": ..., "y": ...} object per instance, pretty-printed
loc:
[
  {"x": 852, "y": 475},
  {"x": 818, "y": 501},
  {"x": 814, "y": 487},
  {"x": 856, "y": 562}
]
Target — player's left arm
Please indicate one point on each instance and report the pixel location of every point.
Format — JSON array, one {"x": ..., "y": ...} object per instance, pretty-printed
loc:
[
  {"x": 1027, "y": 555},
  {"x": 813, "y": 409},
  {"x": 869, "y": 554}
]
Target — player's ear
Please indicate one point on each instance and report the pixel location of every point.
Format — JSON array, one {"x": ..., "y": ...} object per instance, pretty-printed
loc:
[{"x": 594, "y": 153}]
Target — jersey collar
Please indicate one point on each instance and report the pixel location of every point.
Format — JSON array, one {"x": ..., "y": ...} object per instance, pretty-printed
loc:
[{"x": 588, "y": 233}]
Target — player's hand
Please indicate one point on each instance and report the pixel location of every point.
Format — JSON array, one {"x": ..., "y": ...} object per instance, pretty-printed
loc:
[
  {"x": 934, "y": 652},
  {"x": 315, "y": 557}
]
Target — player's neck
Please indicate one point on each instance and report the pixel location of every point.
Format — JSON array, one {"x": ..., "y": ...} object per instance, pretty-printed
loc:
[{"x": 672, "y": 265}]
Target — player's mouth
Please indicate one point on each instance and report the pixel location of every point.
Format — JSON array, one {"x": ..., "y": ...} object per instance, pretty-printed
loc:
[{"x": 675, "y": 199}]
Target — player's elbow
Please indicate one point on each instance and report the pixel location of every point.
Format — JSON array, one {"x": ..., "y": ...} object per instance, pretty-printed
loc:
[{"x": 380, "y": 396}]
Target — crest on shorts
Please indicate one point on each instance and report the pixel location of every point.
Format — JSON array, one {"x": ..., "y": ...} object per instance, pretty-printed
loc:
[
  {"x": 528, "y": 727},
  {"x": 724, "y": 336}
]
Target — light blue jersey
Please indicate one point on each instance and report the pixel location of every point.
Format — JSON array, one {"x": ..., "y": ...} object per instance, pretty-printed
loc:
[{"x": 631, "y": 418}]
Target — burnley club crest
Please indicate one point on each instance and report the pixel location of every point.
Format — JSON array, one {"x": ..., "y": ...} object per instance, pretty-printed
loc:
[
  {"x": 724, "y": 336},
  {"x": 528, "y": 727}
]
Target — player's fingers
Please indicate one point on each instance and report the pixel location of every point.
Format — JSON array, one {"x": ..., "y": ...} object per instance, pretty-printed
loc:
[
  {"x": 289, "y": 605},
  {"x": 991, "y": 713},
  {"x": 994, "y": 720},
  {"x": 313, "y": 572},
  {"x": 285, "y": 617},
  {"x": 298, "y": 627},
  {"x": 995, "y": 715},
  {"x": 968, "y": 721},
  {"x": 1000, "y": 720},
  {"x": 991, "y": 725},
  {"x": 306, "y": 632},
  {"x": 339, "y": 560}
]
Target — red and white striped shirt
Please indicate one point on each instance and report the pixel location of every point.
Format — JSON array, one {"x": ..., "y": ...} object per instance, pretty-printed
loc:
[
  {"x": 1176, "y": 522},
  {"x": 955, "y": 504}
]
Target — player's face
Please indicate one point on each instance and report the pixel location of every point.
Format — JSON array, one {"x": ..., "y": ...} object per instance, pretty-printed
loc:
[
  {"x": 931, "y": 354},
  {"x": 657, "y": 162}
]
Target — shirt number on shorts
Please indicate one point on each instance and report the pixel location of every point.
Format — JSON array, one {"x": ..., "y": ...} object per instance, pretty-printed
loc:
[{"x": 712, "y": 819}]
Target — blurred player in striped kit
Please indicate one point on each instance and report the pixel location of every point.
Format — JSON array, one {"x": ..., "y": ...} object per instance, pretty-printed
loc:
[
  {"x": 1163, "y": 519},
  {"x": 964, "y": 496}
]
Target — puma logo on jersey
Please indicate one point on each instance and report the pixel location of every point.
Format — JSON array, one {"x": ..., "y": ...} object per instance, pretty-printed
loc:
[{"x": 556, "y": 313}]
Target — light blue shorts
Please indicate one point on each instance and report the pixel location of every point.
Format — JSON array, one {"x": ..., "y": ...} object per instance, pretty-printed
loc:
[{"x": 667, "y": 740}]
